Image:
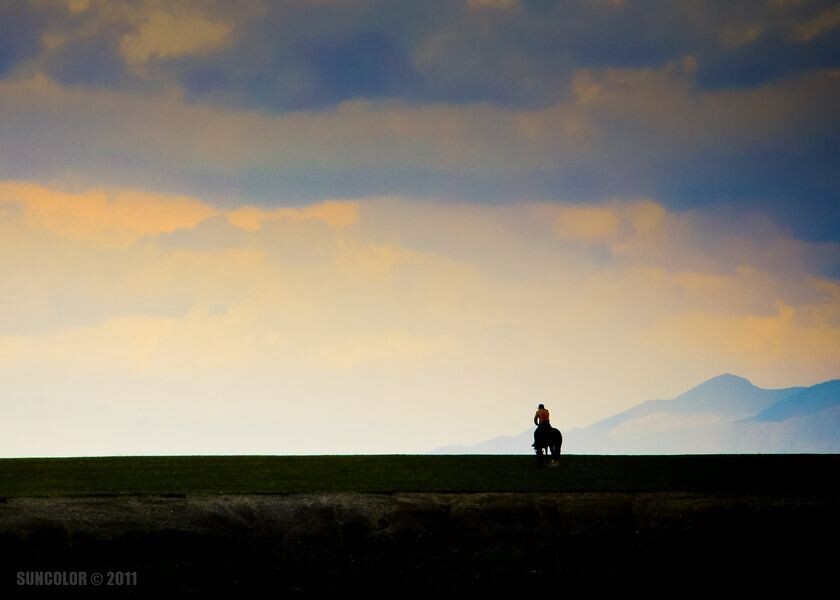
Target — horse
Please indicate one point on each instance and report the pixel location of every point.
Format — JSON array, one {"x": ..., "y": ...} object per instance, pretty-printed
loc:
[{"x": 545, "y": 442}]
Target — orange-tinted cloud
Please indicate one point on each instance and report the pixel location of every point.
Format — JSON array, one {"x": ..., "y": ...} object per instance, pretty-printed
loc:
[
  {"x": 113, "y": 217},
  {"x": 792, "y": 343},
  {"x": 611, "y": 224},
  {"x": 334, "y": 213},
  {"x": 121, "y": 217},
  {"x": 162, "y": 34}
]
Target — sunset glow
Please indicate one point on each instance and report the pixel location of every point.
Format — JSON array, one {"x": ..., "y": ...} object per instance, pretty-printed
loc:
[{"x": 351, "y": 227}]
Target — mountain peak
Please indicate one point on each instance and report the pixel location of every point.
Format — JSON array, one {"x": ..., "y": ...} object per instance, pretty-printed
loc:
[
  {"x": 722, "y": 383},
  {"x": 727, "y": 378},
  {"x": 727, "y": 393}
]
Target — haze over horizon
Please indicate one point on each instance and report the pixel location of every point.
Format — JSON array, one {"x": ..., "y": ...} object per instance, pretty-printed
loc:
[
  {"x": 316, "y": 226},
  {"x": 726, "y": 414}
]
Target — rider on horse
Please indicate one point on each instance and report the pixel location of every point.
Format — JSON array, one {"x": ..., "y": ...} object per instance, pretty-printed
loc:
[{"x": 541, "y": 420}]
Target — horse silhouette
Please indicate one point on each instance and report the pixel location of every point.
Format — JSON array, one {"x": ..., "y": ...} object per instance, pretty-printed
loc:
[{"x": 546, "y": 441}]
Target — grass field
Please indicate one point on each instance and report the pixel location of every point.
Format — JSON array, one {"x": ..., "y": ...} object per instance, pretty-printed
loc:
[
  {"x": 414, "y": 473},
  {"x": 235, "y": 523}
]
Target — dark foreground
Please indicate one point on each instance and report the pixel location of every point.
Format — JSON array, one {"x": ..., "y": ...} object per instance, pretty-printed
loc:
[{"x": 674, "y": 524}]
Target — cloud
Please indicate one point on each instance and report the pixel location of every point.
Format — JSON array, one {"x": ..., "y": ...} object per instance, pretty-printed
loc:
[
  {"x": 18, "y": 35},
  {"x": 111, "y": 217},
  {"x": 588, "y": 145},
  {"x": 278, "y": 56},
  {"x": 353, "y": 304},
  {"x": 493, "y": 4},
  {"x": 735, "y": 36},
  {"x": 77, "y": 6},
  {"x": 120, "y": 217},
  {"x": 162, "y": 35},
  {"x": 819, "y": 25},
  {"x": 793, "y": 339},
  {"x": 613, "y": 224},
  {"x": 333, "y": 213},
  {"x": 623, "y": 132}
]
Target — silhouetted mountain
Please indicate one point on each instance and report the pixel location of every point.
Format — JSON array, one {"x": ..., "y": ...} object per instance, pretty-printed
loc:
[
  {"x": 724, "y": 414},
  {"x": 725, "y": 395},
  {"x": 806, "y": 402}
]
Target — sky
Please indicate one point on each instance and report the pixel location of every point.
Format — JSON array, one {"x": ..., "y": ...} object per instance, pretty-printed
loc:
[{"x": 341, "y": 226}]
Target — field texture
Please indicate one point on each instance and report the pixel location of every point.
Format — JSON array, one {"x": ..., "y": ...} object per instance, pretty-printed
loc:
[
  {"x": 409, "y": 473},
  {"x": 412, "y": 524}
]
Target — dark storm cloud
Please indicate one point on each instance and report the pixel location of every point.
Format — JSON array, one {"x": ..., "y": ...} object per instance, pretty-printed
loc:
[
  {"x": 307, "y": 58},
  {"x": 681, "y": 110},
  {"x": 305, "y": 54}
]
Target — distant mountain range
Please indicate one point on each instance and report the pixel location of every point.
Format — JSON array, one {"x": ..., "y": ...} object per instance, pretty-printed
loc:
[{"x": 726, "y": 414}]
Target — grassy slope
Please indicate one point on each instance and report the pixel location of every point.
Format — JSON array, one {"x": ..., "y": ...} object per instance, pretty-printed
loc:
[{"x": 408, "y": 473}]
